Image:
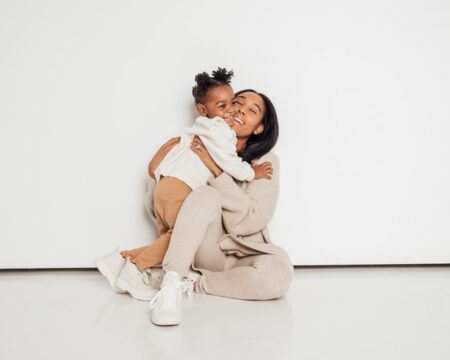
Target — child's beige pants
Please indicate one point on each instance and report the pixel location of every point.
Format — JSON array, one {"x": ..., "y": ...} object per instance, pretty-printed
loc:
[{"x": 168, "y": 197}]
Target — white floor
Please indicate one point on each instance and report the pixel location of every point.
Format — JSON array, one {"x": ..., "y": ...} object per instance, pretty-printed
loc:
[{"x": 335, "y": 313}]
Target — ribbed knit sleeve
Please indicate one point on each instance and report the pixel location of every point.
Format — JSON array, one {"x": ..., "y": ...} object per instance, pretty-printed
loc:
[{"x": 250, "y": 211}]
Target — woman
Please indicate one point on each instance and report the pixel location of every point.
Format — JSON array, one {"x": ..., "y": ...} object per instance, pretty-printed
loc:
[{"x": 221, "y": 229}]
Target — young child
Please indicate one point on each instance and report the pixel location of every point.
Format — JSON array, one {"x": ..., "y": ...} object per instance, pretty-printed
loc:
[{"x": 181, "y": 171}]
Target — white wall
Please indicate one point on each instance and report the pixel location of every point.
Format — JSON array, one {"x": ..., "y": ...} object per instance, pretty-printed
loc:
[{"x": 89, "y": 91}]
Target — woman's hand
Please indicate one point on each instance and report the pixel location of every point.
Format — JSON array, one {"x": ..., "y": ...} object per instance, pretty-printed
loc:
[
  {"x": 161, "y": 154},
  {"x": 199, "y": 148}
]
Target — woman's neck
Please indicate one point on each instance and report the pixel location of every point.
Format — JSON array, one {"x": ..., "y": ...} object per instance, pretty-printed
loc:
[{"x": 241, "y": 143}]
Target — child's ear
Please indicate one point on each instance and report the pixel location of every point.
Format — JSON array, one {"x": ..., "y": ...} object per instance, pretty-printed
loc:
[
  {"x": 259, "y": 129},
  {"x": 201, "y": 109}
]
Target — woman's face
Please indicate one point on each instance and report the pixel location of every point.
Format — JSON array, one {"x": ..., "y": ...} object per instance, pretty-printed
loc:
[{"x": 248, "y": 112}]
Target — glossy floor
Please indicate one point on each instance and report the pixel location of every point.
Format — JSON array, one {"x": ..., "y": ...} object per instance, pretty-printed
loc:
[{"x": 335, "y": 313}]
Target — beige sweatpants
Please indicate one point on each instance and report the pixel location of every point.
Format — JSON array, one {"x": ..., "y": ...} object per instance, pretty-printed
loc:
[
  {"x": 169, "y": 195},
  {"x": 195, "y": 241}
]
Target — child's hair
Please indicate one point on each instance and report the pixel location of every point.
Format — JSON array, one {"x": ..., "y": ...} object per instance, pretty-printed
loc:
[{"x": 205, "y": 82}]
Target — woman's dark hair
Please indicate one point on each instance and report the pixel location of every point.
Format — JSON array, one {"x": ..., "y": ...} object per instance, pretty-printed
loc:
[
  {"x": 261, "y": 144},
  {"x": 205, "y": 82}
]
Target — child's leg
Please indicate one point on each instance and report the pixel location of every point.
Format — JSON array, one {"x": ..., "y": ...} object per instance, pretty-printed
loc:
[
  {"x": 168, "y": 198},
  {"x": 153, "y": 254},
  {"x": 134, "y": 253}
]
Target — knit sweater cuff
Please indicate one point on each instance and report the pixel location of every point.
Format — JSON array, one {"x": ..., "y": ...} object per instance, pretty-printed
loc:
[{"x": 223, "y": 181}]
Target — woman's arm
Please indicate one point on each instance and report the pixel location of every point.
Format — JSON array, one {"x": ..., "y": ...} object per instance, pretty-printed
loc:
[{"x": 247, "y": 212}]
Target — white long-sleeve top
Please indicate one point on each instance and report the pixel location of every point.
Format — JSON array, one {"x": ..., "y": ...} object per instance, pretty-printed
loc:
[{"x": 219, "y": 139}]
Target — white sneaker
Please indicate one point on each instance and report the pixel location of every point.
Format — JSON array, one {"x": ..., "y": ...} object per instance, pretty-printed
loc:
[
  {"x": 136, "y": 283},
  {"x": 166, "y": 305},
  {"x": 110, "y": 266}
]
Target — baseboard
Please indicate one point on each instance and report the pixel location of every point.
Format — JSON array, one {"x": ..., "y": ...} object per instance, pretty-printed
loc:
[{"x": 295, "y": 267}]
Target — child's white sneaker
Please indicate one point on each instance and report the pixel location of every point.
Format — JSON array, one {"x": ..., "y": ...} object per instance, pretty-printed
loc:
[
  {"x": 156, "y": 276},
  {"x": 110, "y": 266},
  {"x": 136, "y": 283},
  {"x": 166, "y": 304}
]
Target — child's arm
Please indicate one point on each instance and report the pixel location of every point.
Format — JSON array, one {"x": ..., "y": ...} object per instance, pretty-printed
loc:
[
  {"x": 220, "y": 142},
  {"x": 228, "y": 160}
]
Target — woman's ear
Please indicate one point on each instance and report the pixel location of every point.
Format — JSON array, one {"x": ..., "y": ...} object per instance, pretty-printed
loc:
[
  {"x": 259, "y": 129},
  {"x": 201, "y": 109}
]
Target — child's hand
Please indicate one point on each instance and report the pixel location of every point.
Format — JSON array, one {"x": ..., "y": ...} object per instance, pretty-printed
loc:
[
  {"x": 263, "y": 170},
  {"x": 199, "y": 148}
]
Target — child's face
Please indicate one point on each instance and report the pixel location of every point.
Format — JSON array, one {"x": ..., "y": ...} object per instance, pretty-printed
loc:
[{"x": 219, "y": 102}]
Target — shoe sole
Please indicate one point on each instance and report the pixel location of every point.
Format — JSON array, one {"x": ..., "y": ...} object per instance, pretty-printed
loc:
[
  {"x": 124, "y": 286},
  {"x": 106, "y": 272},
  {"x": 168, "y": 322}
]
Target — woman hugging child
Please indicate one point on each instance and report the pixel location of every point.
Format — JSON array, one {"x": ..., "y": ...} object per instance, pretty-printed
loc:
[{"x": 180, "y": 172}]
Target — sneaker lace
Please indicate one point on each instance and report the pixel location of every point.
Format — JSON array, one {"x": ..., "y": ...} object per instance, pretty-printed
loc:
[{"x": 170, "y": 293}]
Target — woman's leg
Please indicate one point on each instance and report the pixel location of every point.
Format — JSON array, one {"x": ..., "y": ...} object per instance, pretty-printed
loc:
[
  {"x": 197, "y": 230},
  {"x": 255, "y": 277},
  {"x": 195, "y": 240},
  {"x": 200, "y": 217}
]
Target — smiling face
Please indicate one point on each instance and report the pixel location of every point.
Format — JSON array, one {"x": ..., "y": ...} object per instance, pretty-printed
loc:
[
  {"x": 218, "y": 102},
  {"x": 249, "y": 110}
]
